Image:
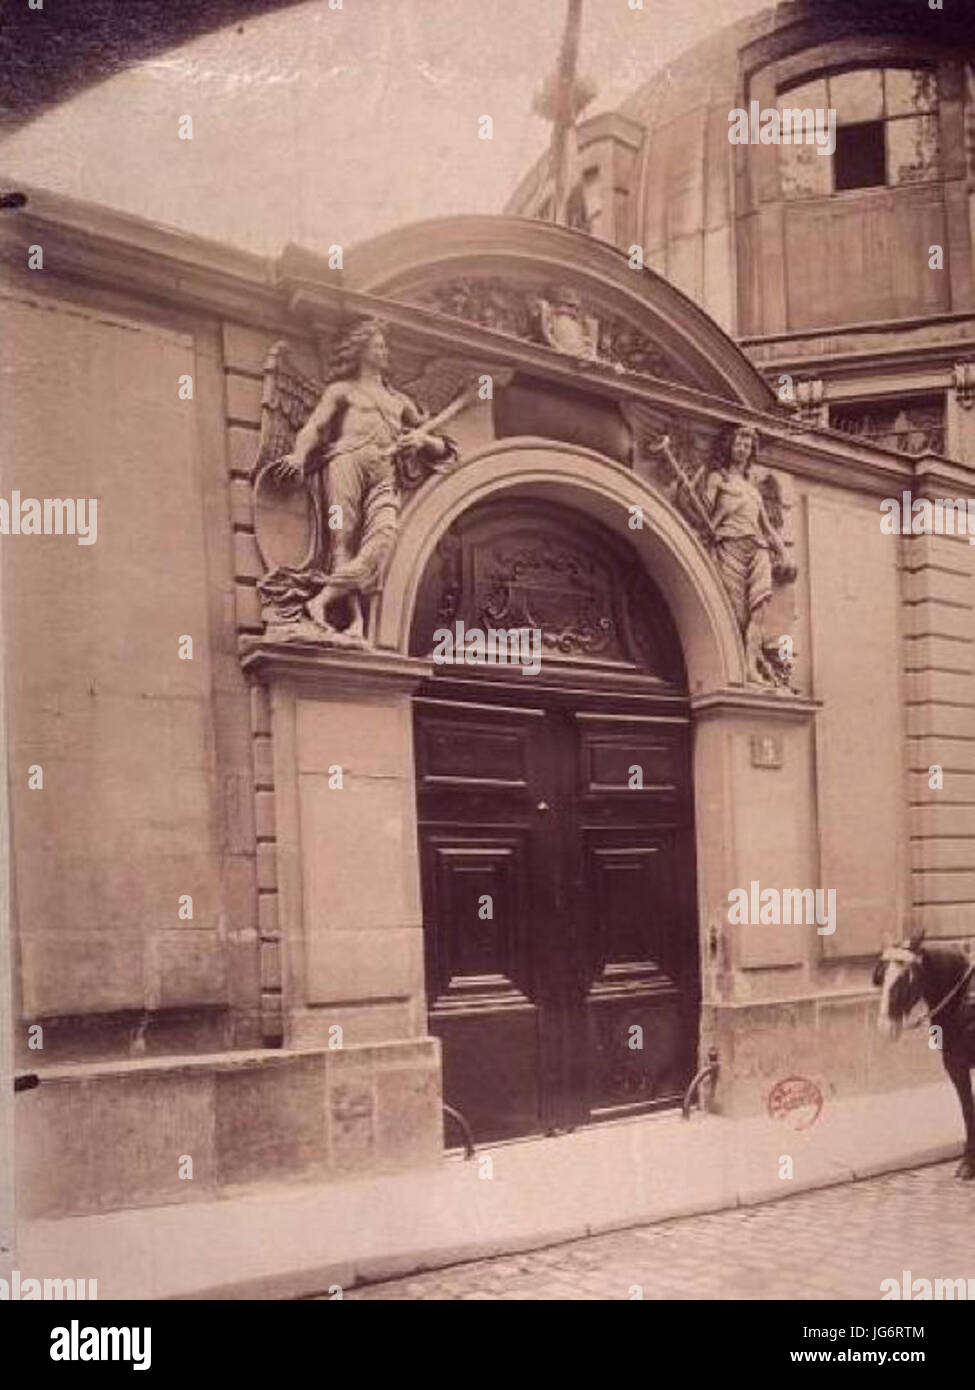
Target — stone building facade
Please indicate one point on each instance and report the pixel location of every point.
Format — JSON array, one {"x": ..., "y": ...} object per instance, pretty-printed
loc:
[{"x": 337, "y": 812}]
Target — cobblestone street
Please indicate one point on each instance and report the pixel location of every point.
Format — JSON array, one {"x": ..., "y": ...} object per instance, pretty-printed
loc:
[{"x": 839, "y": 1242}]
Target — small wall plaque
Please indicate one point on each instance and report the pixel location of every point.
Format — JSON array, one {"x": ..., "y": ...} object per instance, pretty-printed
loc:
[{"x": 766, "y": 750}]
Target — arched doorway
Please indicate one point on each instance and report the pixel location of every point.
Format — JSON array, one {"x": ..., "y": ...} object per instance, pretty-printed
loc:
[{"x": 555, "y": 817}]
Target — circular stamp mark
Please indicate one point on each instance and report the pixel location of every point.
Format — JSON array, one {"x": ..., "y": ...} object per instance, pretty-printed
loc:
[{"x": 796, "y": 1101}]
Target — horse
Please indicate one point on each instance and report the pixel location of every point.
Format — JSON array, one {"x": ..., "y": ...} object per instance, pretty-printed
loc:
[{"x": 944, "y": 978}]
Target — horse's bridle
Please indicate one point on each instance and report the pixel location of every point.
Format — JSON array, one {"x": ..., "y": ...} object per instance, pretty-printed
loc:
[{"x": 907, "y": 955}]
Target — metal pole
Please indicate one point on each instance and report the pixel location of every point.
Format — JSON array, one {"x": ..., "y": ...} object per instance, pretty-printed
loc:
[{"x": 565, "y": 85}]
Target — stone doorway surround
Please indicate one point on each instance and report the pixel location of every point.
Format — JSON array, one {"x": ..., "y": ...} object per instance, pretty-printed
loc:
[{"x": 347, "y": 860}]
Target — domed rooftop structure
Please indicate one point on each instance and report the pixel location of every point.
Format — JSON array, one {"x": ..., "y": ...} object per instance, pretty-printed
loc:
[{"x": 771, "y": 239}]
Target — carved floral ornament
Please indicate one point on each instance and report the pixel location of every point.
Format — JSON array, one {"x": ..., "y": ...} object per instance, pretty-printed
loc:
[
  {"x": 336, "y": 461},
  {"x": 557, "y": 316}
]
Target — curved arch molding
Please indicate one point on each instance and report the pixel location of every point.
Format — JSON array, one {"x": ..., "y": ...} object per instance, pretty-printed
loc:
[{"x": 602, "y": 489}]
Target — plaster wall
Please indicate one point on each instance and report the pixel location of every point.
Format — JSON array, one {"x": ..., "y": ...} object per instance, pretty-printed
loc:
[{"x": 138, "y": 805}]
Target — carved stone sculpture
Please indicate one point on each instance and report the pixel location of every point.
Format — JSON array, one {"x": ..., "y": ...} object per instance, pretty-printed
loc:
[
  {"x": 741, "y": 522},
  {"x": 810, "y": 403},
  {"x": 564, "y": 326},
  {"x": 963, "y": 378},
  {"x": 349, "y": 452}
]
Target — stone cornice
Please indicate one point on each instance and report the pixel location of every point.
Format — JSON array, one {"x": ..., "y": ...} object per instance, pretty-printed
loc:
[
  {"x": 321, "y": 671},
  {"x": 114, "y": 251},
  {"x": 802, "y": 354},
  {"x": 749, "y": 701},
  {"x": 936, "y": 477}
]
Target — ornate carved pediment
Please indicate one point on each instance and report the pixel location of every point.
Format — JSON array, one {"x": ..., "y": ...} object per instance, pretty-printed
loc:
[
  {"x": 558, "y": 316},
  {"x": 495, "y": 271}
]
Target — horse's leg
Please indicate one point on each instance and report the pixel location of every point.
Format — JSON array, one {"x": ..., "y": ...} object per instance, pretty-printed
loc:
[{"x": 958, "y": 1069}]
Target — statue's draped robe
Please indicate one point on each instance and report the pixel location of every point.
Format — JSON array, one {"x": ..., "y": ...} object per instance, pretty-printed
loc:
[
  {"x": 361, "y": 479},
  {"x": 359, "y": 476},
  {"x": 742, "y": 549}
]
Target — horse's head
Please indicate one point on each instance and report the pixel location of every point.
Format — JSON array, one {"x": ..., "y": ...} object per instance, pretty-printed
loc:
[{"x": 899, "y": 975}]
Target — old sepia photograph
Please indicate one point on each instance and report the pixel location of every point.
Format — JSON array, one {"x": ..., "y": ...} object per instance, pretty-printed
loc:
[{"x": 487, "y": 667}]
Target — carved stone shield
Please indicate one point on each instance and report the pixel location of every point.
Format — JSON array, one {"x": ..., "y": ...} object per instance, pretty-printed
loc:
[{"x": 286, "y": 520}]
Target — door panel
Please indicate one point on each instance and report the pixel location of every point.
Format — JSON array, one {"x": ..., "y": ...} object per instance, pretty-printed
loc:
[
  {"x": 631, "y": 837},
  {"x": 558, "y": 907},
  {"x": 478, "y": 887},
  {"x": 486, "y": 896},
  {"x": 612, "y": 751},
  {"x": 635, "y": 985},
  {"x": 625, "y": 1080}
]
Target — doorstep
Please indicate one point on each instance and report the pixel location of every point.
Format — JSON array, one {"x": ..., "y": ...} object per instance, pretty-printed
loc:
[{"x": 288, "y": 1241}]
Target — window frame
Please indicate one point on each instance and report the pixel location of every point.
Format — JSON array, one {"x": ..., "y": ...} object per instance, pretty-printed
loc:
[{"x": 882, "y": 65}]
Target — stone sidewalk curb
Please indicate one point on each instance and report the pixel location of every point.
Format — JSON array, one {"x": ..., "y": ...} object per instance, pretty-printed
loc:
[
  {"x": 307, "y": 1283},
  {"x": 302, "y": 1239}
]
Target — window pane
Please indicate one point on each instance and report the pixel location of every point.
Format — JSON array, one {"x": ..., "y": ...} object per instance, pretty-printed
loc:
[
  {"x": 804, "y": 172},
  {"x": 859, "y": 159},
  {"x": 910, "y": 91},
  {"x": 809, "y": 94},
  {"x": 913, "y": 150},
  {"x": 857, "y": 96}
]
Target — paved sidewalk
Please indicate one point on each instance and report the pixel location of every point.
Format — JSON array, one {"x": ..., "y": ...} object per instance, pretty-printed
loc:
[
  {"x": 836, "y": 1243},
  {"x": 287, "y": 1241}
]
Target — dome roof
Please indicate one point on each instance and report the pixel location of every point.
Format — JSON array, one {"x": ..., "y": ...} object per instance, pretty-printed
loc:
[{"x": 666, "y": 167}]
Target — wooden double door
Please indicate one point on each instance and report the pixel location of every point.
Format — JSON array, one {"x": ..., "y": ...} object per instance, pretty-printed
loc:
[{"x": 559, "y": 902}]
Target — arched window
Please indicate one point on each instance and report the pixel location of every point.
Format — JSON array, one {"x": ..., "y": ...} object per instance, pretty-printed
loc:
[{"x": 886, "y": 131}]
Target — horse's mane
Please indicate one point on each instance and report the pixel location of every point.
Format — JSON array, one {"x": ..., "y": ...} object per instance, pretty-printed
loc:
[
  {"x": 944, "y": 963},
  {"x": 944, "y": 955}
]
